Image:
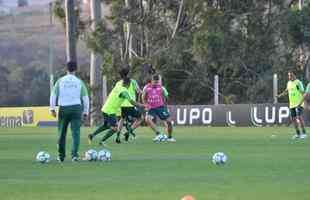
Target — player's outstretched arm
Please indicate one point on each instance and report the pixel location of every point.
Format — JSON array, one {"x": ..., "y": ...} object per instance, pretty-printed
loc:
[
  {"x": 285, "y": 92},
  {"x": 165, "y": 94}
]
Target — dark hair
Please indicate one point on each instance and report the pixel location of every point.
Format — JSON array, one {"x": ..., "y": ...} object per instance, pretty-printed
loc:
[
  {"x": 124, "y": 72},
  {"x": 152, "y": 69},
  {"x": 155, "y": 77},
  {"x": 71, "y": 66},
  {"x": 291, "y": 71},
  {"x": 126, "y": 81}
]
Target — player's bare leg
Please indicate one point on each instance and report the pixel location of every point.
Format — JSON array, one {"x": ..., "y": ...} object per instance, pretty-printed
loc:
[
  {"x": 137, "y": 123},
  {"x": 152, "y": 125}
]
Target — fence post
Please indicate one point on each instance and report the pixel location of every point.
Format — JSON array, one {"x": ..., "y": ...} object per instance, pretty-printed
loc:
[
  {"x": 275, "y": 88},
  {"x": 216, "y": 90}
]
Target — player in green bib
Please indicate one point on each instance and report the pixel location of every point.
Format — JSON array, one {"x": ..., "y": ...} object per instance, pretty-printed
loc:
[
  {"x": 131, "y": 115},
  {"x": 111, "y": 108},
  {"x": 295, "y": 91}
]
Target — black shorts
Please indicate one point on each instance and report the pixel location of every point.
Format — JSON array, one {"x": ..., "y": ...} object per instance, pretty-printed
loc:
[
  {"x": 296, "y": 112},
  {"x": 110, "y": 120},
  {"x": 129, "y": 113}
]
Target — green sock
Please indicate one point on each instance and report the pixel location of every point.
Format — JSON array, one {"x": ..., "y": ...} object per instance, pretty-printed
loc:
[
  {"x": 107, "y": 135},
  {"x": 100, "y": 129},
  {"x": 130, "y": 130}
]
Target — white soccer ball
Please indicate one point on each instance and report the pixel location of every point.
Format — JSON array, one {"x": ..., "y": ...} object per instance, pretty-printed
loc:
[
  {"x": 104, "y": 155},
  {"x": 43, "y": 157},
  {"x": 162, "y": 138},
  {"x": 91, "y": 155},
  {"x": 219, "y": 158}
]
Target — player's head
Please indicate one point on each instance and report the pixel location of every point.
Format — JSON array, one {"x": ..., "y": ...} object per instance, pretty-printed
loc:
[
  {"x": 151, "y": 70},
  {"x": 124, "y": 73},
  {"x": 155, "y": 79},
  {"x": 291, "y": 75},
  {"x": 71, "y": 66}
]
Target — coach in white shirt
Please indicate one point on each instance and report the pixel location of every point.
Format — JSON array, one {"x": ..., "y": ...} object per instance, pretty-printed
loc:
[{"x": 71, "y": 94}]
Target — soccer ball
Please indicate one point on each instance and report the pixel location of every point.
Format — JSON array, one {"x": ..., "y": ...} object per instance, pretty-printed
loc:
[
  {"x": 91, "y": 155},
  {"x": 162, "y": 138},
  {"x": 219, "y": 158},
  {"x": 104, "y": 155},
  {"x": 43, "y": 157}
]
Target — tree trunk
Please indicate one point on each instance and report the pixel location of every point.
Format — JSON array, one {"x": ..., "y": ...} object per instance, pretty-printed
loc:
[
  {"x": 128, "y": 53},
  {"x": 95, "y": 66},
  {"x": 177, "y": 23},
  {"x": 142, "y": 29},
  {"x": 71, "y": 30}
]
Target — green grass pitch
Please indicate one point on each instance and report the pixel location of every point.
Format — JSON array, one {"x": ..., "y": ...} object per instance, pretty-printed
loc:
[{"x": 264, "y": 163}]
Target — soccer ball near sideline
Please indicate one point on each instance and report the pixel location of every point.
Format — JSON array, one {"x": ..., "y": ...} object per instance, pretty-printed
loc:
[
  {"x": 91, "y": 155},
  {"x": 219, "y": 158},
  {"x": 104, "y": 155},
  {"x": 43, "y": 157}
]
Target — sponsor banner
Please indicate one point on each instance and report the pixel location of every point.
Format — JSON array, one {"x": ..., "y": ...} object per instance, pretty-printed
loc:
[
  {"x": 184, "y": 115},
  {"x": 25, "y": 117},
  {"x": 231, "y": 115}
]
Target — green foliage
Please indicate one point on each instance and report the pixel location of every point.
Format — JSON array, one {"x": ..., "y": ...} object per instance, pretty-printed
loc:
[
  {"x": 59, "y": 11},
  {"x": 299, "y": 26},
  {"x": 97, "y": 40},
  {"x": 244, "y": 42},
  {"x": 15, "y": 92},
  {"x": 60, "y": 14}
]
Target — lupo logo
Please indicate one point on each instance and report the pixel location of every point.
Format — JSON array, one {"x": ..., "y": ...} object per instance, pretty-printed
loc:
[{"x": 269, "y": 115}]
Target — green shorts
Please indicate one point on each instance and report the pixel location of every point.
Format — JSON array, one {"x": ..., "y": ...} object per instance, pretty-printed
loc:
[
  {"x": 129, "y": 113},
  {"x": 161, "y": 112},
  {"x": 110, "y": 120}
]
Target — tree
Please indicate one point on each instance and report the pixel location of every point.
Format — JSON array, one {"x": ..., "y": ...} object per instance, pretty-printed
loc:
[
  {"x": 244, "y": 42},
  {"x": 299, "y": 37},
  {"x": 95, "y": 68},
  {"x": 71, "y": 30}
]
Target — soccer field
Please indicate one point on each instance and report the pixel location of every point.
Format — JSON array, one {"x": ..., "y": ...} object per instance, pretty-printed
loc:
[{"x": 264, "y": 163}]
